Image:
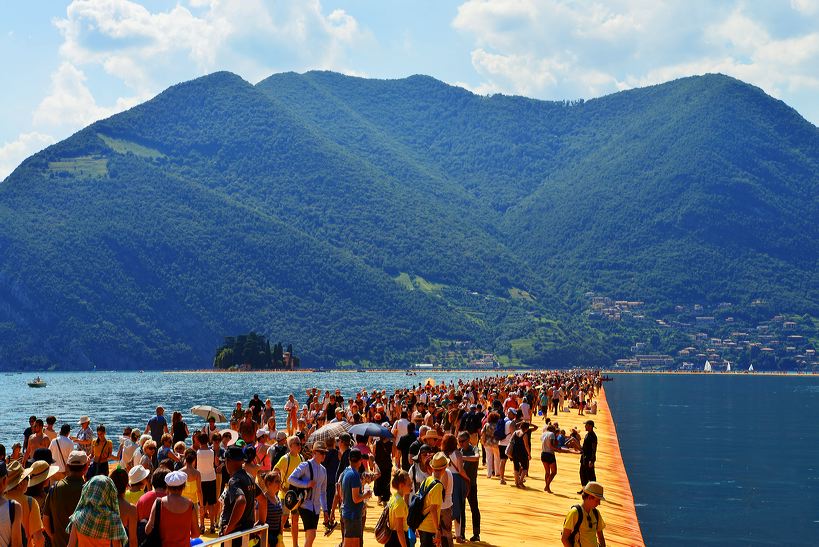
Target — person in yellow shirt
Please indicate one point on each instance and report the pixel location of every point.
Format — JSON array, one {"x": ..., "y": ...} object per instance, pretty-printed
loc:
[
  {"x": 429, "y": 531},
  {"x": 285, "y": 466},
  {"x": 399, "y": 510},
  {"x": 584, "y": 524}
]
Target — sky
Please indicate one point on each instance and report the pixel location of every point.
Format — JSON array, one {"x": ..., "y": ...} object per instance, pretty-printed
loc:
[{"x": 69, "y": 63}]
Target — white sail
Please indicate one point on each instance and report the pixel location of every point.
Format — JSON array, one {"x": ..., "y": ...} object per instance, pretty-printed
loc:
[
  {"x": 751, "y": 368},
  {"x": 728, "y": 366},
  {"x": 707, "y": 366}
]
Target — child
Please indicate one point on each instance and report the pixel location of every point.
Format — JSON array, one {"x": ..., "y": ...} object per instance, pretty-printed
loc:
[{"x": 269, "y": 507}]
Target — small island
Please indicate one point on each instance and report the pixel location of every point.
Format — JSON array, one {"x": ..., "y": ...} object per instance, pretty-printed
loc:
[{"x": 253, "y": 352}]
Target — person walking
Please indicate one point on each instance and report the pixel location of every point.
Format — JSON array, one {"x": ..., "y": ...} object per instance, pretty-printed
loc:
[
  {"x": 127, "y": 510},
  {"x": 398, "y": 510},
  {"x": 490, "y": 444},
  {"x": 269, "y": 507},
  {"x": 352, "y": 507},
  {"x": 237, "y": 497},
  {"x": 60, "y": 448},
  {"x": 174, "y": 514},
  {"x": 16, "y": 485},
  {"x": 312, "y": 476},
  {"x": 588, "y": 455},
  {"x": 429, "y": 531},
  {"x": 63, "y": 499},
  {"x": 470, "y": 457},
  {"x": 584, "y": 524},
  {"x": 547, "y": 456},
  {"x": 96, "y": 519},
  {"x": 206, "y": 465},
  {"x": 11, "y": 514},
  {"x": 157, "y": 426}
]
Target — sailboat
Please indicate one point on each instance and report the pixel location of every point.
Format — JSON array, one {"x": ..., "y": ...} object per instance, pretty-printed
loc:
[
  {"x": 707, "y": 366},
  {"x": 728, "y": 366},
  {"x": 751, "y": 368}
]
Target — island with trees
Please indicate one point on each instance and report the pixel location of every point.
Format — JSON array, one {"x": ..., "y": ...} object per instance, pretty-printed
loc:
[{"x": 253, "y": 352}]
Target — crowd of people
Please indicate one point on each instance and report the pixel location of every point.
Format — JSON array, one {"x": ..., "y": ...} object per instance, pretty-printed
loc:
[{"x": 420, "y": 461}]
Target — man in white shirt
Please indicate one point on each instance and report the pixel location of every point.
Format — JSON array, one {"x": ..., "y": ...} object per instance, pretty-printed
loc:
[{"x": 61, "y": 448}]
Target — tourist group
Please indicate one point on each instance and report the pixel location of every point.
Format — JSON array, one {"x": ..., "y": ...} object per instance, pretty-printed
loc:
[{"x": 415, "y": 452}]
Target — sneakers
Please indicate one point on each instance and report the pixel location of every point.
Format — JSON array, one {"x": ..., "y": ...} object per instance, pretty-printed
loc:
[{"x": 475, "y": 538}]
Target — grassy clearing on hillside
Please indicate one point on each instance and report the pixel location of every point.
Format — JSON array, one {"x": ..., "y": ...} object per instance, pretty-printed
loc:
[
  {"x": 520, "y": 294},
  {"x": 412, "y": 282},
  {"x": 83, "y": 166},
  {"x": 121, "y": 146}
]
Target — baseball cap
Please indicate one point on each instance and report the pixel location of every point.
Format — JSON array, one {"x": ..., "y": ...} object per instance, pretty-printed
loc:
[
  {"x": 235, "y": 453},
  {"x": 77, "y": 457},
  {"x": 589, "y": 422},
  {"x": 176, "y": 478}
]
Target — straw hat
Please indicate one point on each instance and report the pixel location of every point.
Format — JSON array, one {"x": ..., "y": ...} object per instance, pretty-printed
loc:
[
  {"x": 439, "y": 461},
  {"x": 594, "y": 489},
  {"x": 84, "y": 420},
  {"x": 40, "y": 472},
  {"x": 16, "y": 474}
]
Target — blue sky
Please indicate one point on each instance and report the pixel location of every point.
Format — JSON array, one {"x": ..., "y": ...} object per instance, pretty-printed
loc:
[{"x": 72, "y": 62}]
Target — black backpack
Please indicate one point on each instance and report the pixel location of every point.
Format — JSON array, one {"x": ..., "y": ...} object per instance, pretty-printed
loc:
[
  {"x": 580, "y": 518},
  {"x": 416, "y": 513}
]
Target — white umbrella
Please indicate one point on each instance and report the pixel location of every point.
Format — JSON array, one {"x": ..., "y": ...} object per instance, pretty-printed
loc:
[{"x": 207, "y": 412}]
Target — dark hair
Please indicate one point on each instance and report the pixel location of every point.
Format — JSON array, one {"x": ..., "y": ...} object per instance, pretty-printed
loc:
[
  {"x": 190, "y": 455},
  {"x": 361, "y": 439},
  {"x": 51, "y": 420},
  {"x": 158, "y": 479},
  {"x": 39, "y": 422},
  {"x": 120, "y": 478},
  {"x": 65, "y": 429},
  {"x": 411, "y": 427},
  {"x": 101, "y": 428}
]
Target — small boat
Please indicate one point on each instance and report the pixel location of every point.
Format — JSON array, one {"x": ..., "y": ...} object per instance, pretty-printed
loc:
[
  {"x": 37, "y": 382},
  {"x": 361, "y": 370}
]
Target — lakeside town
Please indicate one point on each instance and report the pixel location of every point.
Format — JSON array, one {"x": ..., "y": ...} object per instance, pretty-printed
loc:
[{"x": 712, "y": 337}]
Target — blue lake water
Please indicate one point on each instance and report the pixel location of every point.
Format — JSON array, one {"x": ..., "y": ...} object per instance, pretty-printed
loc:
[
  {"x": 721, "y": 460},
  {"x": 118, "y": 399}
]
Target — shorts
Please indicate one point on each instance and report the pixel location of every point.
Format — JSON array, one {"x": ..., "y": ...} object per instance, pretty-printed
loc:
[
  {"x": 209, "y": 492},
  {"x": 309, "y": 520},
  {"x": 521, "y": 465},
  {"x": 548, "y": 457},
  {"x": 353, "y": 528},
  {"x": 502, "y": 451}
]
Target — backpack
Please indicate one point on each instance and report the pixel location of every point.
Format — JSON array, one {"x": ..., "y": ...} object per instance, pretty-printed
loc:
[
  {"x": 416, "y": 507},
  {"x": 577, "y": 524},
  {"x": 500, "y": 430},
  {"x": 382, "y": 527}
]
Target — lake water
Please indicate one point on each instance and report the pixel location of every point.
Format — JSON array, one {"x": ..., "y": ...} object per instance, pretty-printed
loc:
[
  {"x": 118, "y": 399},
  {"x": 721, "y": 460}
]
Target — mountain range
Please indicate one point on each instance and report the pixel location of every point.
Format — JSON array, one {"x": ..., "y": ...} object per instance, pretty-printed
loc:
[{"x": 381, "y": 220}]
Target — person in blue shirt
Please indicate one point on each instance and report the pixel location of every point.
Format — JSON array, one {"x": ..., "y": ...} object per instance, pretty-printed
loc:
[
  {"x": 312, "y": 476},
  {"x": 352, "y": 509},
  {"x": 158, "y": 425}
]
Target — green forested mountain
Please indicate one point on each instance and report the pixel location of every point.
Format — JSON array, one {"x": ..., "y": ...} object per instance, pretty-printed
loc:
[{"x": 374, "y": 220}]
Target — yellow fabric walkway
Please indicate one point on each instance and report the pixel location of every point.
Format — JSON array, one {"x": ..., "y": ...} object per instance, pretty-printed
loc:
[{"x": 511, "y": 516}]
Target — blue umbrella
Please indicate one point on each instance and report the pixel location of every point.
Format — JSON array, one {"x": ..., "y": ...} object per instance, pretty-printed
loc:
[{"x": 371, "y": 430}]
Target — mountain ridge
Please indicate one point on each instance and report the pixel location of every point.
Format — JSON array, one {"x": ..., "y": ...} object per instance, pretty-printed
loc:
[{"x": 383, "y": 220}]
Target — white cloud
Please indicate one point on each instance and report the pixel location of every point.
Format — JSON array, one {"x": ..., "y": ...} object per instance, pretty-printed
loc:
[
  {"x": 14, "y": 152},
  {"x": 564, "y": 49},
  {"x": 806, "y": 7},
  {"x": 142, "y": 51}
]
